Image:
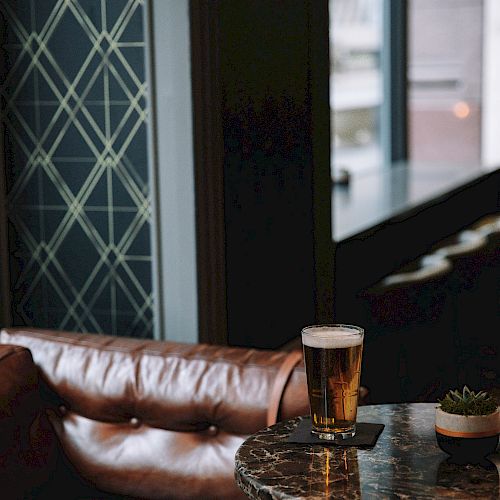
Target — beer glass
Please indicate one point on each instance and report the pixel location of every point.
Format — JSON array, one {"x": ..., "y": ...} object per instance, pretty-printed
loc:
[{"x": 332, "y": 355}]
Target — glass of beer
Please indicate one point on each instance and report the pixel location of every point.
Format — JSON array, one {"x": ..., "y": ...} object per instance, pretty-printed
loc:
[{"x": 332, "y": 355}]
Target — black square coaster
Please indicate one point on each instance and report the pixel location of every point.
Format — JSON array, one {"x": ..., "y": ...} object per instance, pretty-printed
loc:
[{"x": 366, "y": 435}]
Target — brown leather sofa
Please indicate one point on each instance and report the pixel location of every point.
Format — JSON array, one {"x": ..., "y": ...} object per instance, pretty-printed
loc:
[{"x": 94, "y": 416}]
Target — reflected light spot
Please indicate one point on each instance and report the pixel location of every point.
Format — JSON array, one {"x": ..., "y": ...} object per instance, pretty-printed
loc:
[{"x": 461, "y": 110}]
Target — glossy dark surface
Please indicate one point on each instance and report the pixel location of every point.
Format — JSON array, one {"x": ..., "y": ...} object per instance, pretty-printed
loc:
[
  {"x": 375, "y": 196},
  {"x": 406, "y": 462}
]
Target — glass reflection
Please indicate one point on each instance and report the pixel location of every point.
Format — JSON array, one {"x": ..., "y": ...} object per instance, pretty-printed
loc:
[{"x": 334, "y": 472}]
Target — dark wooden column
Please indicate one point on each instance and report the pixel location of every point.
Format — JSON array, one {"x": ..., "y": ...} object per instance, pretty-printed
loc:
[{"x": 261, "y": 106}]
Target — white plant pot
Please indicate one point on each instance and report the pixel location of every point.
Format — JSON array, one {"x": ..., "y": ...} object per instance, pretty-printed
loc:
[{"x": 467, "y": 439}]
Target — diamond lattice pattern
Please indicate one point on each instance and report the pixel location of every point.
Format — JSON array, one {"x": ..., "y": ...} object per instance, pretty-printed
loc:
[{"x": 75, "y": 118}]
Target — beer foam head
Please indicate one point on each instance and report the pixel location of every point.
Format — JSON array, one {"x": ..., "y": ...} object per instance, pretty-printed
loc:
[{"x": 332, "y": 337}]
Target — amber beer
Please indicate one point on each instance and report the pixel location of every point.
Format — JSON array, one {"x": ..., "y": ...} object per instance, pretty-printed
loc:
[{"x": 332, "y": 356}]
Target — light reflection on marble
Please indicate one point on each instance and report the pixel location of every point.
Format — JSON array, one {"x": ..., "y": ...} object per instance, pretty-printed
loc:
[{"x": 405, "y": 463}]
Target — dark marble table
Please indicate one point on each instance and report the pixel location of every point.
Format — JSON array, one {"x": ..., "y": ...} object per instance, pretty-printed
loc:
[{"x": 405, "y": 463}]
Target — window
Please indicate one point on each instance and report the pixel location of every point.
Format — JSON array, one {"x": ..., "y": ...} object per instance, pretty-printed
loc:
[
  {"x": 444, "y": 75},
  {"x": 451, "y": 103},
  {"x": 453, "y": 81},
  {"x": 356, "y": 84}
]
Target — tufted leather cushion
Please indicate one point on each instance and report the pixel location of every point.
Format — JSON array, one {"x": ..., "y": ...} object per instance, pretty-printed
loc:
[{"x": 156, "y": 419}]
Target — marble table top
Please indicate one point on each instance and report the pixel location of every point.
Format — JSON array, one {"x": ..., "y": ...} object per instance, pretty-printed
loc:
[{"x": 405, "y": 463}]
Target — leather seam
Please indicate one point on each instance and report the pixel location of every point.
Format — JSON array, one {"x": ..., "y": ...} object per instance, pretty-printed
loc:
[
  {"x": 15, "y": 350},
  {"x": 108, "y": 348},
  {"x": 279, "y": 387}
]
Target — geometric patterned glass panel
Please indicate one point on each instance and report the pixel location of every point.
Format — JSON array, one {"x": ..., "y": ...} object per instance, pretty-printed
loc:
[{"x": 75, "y": 117}]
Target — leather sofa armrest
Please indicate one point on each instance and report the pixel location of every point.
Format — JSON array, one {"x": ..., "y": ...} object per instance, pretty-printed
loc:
[{"x": 27, "y": 445}]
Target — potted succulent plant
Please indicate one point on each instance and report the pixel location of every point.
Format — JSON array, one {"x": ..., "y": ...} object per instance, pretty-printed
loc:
[{"x": 467, "y": 425}]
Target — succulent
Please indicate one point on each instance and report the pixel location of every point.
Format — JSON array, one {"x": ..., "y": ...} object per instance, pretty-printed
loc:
[{"x": 468, "y": 402}]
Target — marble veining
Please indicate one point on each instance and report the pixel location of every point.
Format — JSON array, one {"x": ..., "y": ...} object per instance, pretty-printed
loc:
[{"x": 405, "y": 463}]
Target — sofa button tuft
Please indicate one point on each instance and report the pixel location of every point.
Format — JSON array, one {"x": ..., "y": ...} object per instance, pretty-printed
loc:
[
  {"x": 212, "y": 430},
  {"x": 135, "y": 422}
]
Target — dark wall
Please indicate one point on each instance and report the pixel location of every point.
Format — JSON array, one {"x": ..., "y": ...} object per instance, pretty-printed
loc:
[
  {"x": 267, "y": 171},
  {"x": 75, "y": 116},
  {"x": 270, "y": 74},
  {"x": 362, "y": 260}
]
